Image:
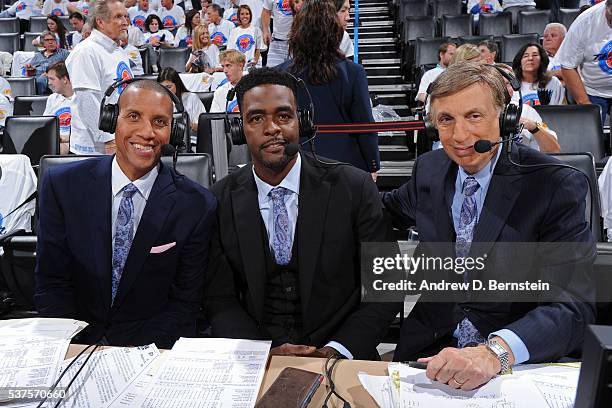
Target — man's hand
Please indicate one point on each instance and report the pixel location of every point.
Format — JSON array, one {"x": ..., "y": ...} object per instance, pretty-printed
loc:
[
  {"x": 154, "y": 41},
  {"x": 289, "y": 349},
  {"x": 324, "y": 352},
  {"x": 267, "y": 37},
  {"x": 110, "y": 147},
  {"x": 529, "y": 124},
  {"x": 465, "y": 368}
]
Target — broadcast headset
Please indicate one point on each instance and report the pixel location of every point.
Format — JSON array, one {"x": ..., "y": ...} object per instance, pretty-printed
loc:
[{"x": 109, "y": 114}]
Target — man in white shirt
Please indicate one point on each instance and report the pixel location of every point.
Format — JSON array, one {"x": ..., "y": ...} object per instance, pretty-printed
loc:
[
  {"x": 488, "y": 51},
  {"x": 106, "y": 63},
  {"x": 23, "y": 9},
  {"x": 233, "y": 63},
  {"x": 218, "y": 28},
  {"x": 280, "y": 10},
  {"x": 588, "y": 46},
  {"x": 172, "y": 16},
  {"x": 60, "y": 101},
  {"x": 77, "y": 21},
  {"x": 55, "y": 7},
  {"x": 139, "y": 13},
  {"x": 553, "y": 37},
  {"x": 445, "y": 55}
]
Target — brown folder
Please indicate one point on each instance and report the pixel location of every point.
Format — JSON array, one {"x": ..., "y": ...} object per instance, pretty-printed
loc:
[{"x": 293, "y": 388}]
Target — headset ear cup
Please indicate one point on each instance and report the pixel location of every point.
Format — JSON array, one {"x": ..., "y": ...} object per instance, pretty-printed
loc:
[
  {"x": 236, "y": 131},
  {"x": 108, "y": 118},
  {"x": 306, "y": 123},
  {"x": 179, "y": 127}
]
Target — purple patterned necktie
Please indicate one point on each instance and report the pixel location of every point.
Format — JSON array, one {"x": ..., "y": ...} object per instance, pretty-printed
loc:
[
  {"x": 124, "y": 233},
  {"x": 281, "y": 241}
]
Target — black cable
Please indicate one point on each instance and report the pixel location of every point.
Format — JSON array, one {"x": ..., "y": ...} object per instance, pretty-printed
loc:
[{"x": 329, "y": 374}]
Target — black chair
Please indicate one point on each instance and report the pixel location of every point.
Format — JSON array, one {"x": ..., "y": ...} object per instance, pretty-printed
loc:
[
  {"x": 446, "y": 7},
  {"x": 38, "y": 24},
  {"x": 27, "y": 41},
  {"x": 30, "y": 105},
  {"x": 586, "y": 164},
  {"x": 204, "y": 143},
  {"x": 18, "y": 263},
  {"x": 187, "y": 134},
  {"x": 22, "y": 86},
  {"x": 456, "y": 26},
  {"x": 146, "y": 63},
  {"x": 512, "y": 43},
  {"x": 473, "y": 39},
  {"x": 578, "y": 127},
  {"x": 533, "y": 21},
  {"x": 567, "y": 16},
  {"x": 206, "y": 98},
  {"x": 9, "y": 42},
  {"x": 34, "y": 136},
  {"x": 426, "y": 50},
  {"x": 174, "y": 58},
  {"x": 415, "y": 27},
  {"x": 9, "y": 25},
  {"x": 413, "y": 8},
  {"x": 495, "y": 24}
]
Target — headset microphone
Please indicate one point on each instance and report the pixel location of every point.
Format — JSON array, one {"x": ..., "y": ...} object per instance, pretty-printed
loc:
[
  {"x": 483, "y": 146},
  {"x": 291, "y": 149}
]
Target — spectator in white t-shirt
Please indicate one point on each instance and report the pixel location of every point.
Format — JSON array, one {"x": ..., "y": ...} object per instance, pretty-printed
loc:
[
  {"x": 477, "y": 7},
  {"x": 171, "y": 80},
  {"x": 246, "y": 38},
  {"x": 278, "y": 48},
  {"x": 5, "y": 88},
  {"x": 55, "y": 7},
  {"x": 256, "y": 8},
  {"x": 74, "y": 37},
  {"x": 342, "y": 11},
  {"x": 59, "y": 102},
  {"x": 231, "y": 13},
  {"x": 538, "y": 87},
  {"x": 204, "y": 54},
  {"x": 445, "y": 55},
  {"x": 233, "y": 63},
  {"x": 184, "y": 35},
  {"x": 488, "y": 51},
  {"x": 172, "y": 16},
  {"x": 23, "y": 9},
  {"x": 133, "y": 54},
  {"x": 156, "y": 37},
  {"x": 588, "y": 46},
  {"x": 553, "y": 37},
  {"x": 516, "y": 6},
  {"x": 139, "y": 13},
  {"x": 81, "y": 6},
  {"x": 204, "y": 11},
  {"x": 219, "y": 29}
]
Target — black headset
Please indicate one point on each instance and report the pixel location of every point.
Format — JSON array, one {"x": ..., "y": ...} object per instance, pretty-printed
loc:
[
  {"x": 110, "y": 112},
  {"x": 509, "y": 118},
  {"x": 305, "y": 117}
]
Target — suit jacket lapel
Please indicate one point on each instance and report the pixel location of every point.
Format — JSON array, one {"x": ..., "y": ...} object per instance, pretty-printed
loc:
[
  {"x": 245, "y": 206},
  {"x": 314, "y": 197},
  {"x": 153, "y": 218},
  {"x": 100, "y": 199},
  {"x": 504, "y": 189},
  {"x": 443, "y": 193}
]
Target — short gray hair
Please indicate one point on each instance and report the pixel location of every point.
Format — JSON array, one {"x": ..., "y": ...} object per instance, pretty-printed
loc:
[
  {"x": 46, "y": 33},
  {"x": 559, "y": 26},
  {"x": 462, "y": 75},
  {"x": 101, "y": 10}
]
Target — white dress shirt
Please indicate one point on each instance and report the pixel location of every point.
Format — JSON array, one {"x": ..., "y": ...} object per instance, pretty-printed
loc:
[{"x": 144, "y": 185}]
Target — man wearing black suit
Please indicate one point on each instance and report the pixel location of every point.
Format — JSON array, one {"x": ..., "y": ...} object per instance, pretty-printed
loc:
[
  {"x": 285, "y": 273},
  {"x": 123, "y": 240},
  {"x": 459, "y": 196}
]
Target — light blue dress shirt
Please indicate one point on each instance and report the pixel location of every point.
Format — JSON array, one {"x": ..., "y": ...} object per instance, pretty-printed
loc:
[
  {"x": 483, "y": 177},
  {"x": 292, "y": 183}
]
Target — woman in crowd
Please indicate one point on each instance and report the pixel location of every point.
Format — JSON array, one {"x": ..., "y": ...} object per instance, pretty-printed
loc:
[
  {"x": 342, "y": 11},
  {"x": 184, "y": 35},
  {"x": 204, "y": 55},
  {"x": 55, "y": 25},
  {"x": 246, "y": 38},
  {"x": 538, "y": 87},
  {"x": 170, "y": 79},
  {"x": 156, "y": 39},
  {"x": 203, "y": 15},
  {"x": 339, "y": 87}
]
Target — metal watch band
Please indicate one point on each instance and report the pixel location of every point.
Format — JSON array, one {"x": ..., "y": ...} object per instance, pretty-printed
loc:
[{"x": 502, "y": 355}]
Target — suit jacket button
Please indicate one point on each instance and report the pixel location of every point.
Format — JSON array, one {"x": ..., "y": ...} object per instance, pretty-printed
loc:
[{"x": 467, "y": 309}]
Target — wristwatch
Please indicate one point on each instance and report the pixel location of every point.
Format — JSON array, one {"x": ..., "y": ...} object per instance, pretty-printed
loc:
[
  {"x": 539, "y": 126},
  {"x": 502, "y": 355}
]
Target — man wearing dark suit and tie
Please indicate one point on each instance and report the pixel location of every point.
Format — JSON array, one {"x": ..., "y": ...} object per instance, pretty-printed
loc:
[
  {"x": 123, "y": 240},
  {"x": 457, "y": 195},
  {"x": 285, "y": 271}
]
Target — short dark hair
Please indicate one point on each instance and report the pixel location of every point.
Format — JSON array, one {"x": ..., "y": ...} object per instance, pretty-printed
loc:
[
  {"x": 264, "y": 76},
  {"x": 76, "y": 15},
  {"x": 59, "y": 68},
  {"x": 217, "y": 8},
  {"x": 444, "y": 47},
  {"x": 491, "y": 45},
  {"x": 150, "y": 19}
]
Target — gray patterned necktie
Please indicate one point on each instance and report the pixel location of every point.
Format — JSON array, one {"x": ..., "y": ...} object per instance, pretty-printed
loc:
[
  {"x": 467, "y": 217},
  {"x": 124, "y": 233},
  {"x": 281, "y": 241}
]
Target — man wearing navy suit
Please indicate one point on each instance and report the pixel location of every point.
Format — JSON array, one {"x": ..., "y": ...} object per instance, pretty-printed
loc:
[
  {"x": 457, "y": 195},
  {"x": 123, "y": 240}
]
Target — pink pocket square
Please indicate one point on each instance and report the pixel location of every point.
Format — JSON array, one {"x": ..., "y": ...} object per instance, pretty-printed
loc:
[{"x": 162, "y": 248}]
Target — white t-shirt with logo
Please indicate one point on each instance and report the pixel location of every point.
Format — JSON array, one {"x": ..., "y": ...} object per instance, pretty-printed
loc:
[
  {"x": 60, "y": 106},
  {"x": 516, "y": 3},
  {"x": 24, "y": 9},
  {"x": 530, "y": 92},
  {"x": 590, "y": 2},
  {"x": 246, "y": 40},
  {"x": 56, "y": 9},
  {"x": 5, "y": 88},
  {"x": 6, "y": 109},
  {"x": 220, "y": 33},
  {"x": 171, "y": 18},
  {"x": 138, "y": 17},
  {"x": 106, "y": 63},
  {"x": 220, "y": 99},
  {"x": 553, "y": 64},
  {"x": 231, "y": 15},
  {"x": 588, "y": 46},
  {"x": 193, "y": 106},
  {"x": 183, "y": 34},
  {"x": 282, "y": 15},
  {"x": 18, "y": 182},
  {"x": 169, "y": 38},
  {"x": 83, "y": 6},
  {"x": 489, "y": 7}
]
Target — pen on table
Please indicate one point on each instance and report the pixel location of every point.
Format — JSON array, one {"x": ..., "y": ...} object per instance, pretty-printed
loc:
[{"x": 416, "y": 364}]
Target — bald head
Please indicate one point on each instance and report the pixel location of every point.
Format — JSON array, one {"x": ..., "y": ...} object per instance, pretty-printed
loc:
[{"x": 148, "y": 85}]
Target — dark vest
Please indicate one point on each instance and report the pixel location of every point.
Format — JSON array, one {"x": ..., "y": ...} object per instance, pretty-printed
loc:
[{"x": 282, "y": 308}]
